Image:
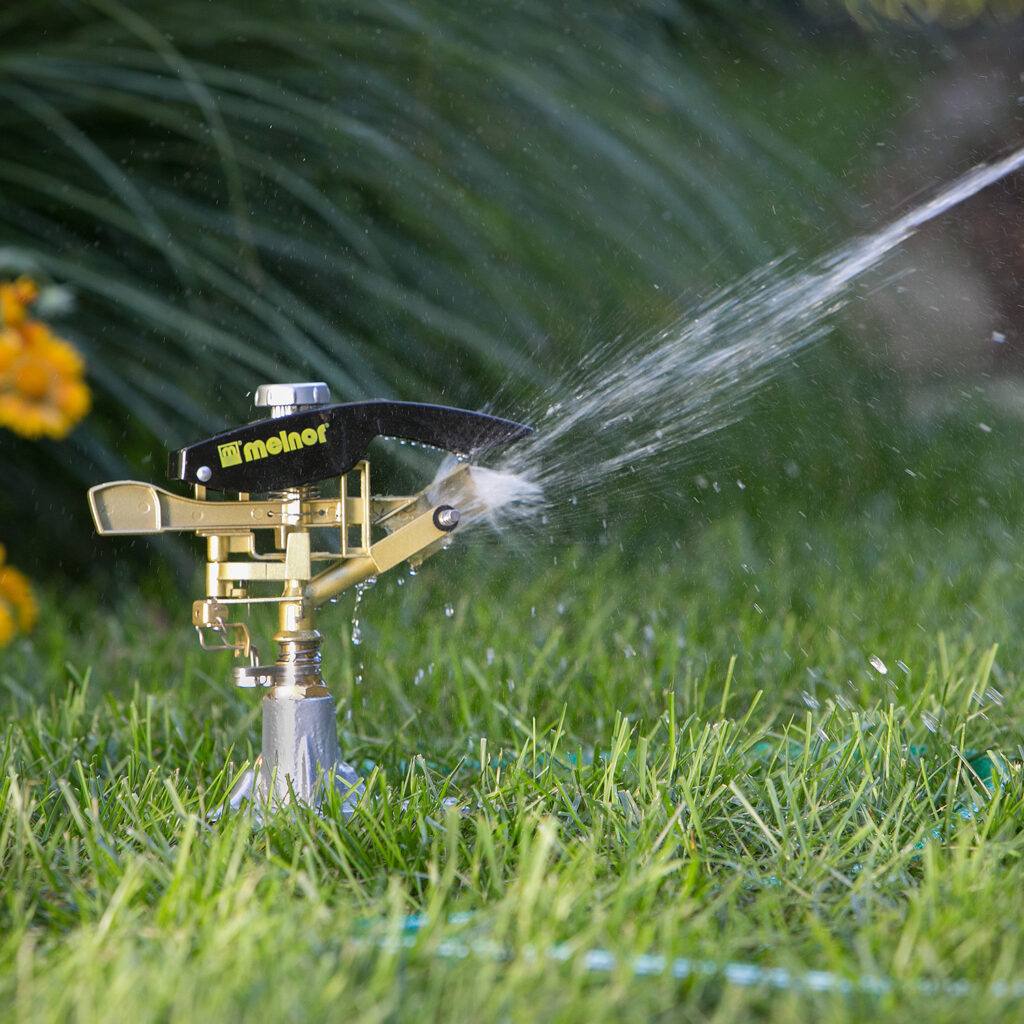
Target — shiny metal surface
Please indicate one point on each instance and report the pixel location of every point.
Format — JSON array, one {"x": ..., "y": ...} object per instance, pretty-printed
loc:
[{"x": 301, "y": 756}]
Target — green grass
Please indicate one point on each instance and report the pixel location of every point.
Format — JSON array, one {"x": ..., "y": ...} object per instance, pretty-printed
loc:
[{"x": 677, "y": 751}]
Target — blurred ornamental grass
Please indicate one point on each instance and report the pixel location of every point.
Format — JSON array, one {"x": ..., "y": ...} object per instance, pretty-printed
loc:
[
  {"x": 42, "y": 394},
  {"x": 434, "y": 200}
]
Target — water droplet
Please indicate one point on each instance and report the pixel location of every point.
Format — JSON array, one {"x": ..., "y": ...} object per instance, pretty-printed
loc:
[
  {"x": 902, "y": 666},
  {"x": 490, "y": 656},
  {"x": 878, "y": 665},
  {"x": 930, "y": 721},
  {"x": 810, "y": 700},
  {"x": 449, "y": 610}
]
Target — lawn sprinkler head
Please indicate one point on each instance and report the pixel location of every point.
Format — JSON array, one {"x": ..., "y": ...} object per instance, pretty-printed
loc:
[{"x": 274, "y": 468}]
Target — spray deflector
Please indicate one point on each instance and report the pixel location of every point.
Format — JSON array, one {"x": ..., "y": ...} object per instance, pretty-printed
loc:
[{"x": 320, "y": 543}]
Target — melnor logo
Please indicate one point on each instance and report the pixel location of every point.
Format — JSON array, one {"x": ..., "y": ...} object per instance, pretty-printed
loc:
[
  {"x": 234, "y": 452},
  {"x": 230, "y": 453}
]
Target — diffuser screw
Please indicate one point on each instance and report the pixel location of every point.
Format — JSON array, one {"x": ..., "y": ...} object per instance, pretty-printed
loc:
[{"x": 447, "y": 518}]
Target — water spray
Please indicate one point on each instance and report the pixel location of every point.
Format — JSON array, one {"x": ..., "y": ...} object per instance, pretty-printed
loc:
[
  {"x": 633, "y": 407},
  {"x": 261, "y": 550}
]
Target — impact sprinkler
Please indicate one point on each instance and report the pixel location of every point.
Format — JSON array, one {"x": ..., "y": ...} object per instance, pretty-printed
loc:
[{"x": 312, "y": 546}]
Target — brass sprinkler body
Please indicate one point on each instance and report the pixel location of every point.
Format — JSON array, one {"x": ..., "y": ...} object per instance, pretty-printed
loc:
[{"x": 313, "y": 547}]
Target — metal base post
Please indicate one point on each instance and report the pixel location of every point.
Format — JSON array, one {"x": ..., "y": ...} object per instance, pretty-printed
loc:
[{"x": 301, "y": 757}]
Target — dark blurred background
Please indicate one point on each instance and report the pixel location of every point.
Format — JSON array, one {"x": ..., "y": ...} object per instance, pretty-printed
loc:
[{"x": 447, "y": 201}]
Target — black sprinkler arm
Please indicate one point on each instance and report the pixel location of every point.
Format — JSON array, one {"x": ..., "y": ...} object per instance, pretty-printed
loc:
[{"x": 304, "y": 447}]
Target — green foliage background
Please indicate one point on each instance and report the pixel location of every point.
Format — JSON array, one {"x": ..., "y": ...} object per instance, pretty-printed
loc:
[{"x": 433, "y": 201}]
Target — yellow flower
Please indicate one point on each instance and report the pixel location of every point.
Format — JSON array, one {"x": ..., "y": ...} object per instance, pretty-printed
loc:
[
  {"x": 18, "y": 610},
  {"x": 15, "y": 298},
  {"x": 42, "y": 391}
]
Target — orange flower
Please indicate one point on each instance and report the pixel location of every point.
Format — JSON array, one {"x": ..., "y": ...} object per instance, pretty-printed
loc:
[
  {"x": 15, "y": 297},
  {"x": 18, "y": 610},
  {"x": 42, "y": 392}
]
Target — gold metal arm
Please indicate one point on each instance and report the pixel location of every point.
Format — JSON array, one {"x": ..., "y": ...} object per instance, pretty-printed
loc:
[
  {"x": 406, "y": 542},
  {"x": 131, "y": 507},
  {"x": 408, "y": 527}
]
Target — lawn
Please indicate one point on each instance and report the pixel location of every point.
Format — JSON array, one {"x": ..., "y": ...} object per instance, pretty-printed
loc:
[{"x": 765, "y": 767}]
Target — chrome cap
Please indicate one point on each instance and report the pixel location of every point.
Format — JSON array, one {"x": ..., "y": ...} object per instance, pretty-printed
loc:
[{"x": 284, "y": 399}]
